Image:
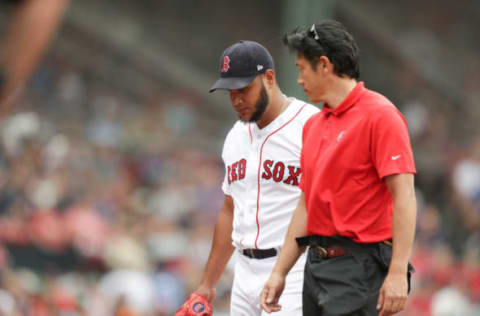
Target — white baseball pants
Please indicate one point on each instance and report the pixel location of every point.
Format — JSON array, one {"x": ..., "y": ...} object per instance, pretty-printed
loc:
[{"x": 249, "y": 279}]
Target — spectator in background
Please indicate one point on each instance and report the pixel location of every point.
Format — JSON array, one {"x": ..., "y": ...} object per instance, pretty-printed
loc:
[{"x": 466, "y": 186}]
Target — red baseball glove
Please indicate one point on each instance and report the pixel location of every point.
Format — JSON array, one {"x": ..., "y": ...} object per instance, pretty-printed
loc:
[{"x": 195, "y": 305}]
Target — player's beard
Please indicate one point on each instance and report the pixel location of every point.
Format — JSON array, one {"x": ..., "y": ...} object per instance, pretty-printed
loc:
[{"x": 260, "y": 106}]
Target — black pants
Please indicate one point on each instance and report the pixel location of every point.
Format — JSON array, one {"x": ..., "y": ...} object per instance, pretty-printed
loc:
[{"x": 347, "y": 285}]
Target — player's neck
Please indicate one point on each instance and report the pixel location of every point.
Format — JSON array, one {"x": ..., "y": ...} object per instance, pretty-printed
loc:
[
  {"x": 278, "y": 103},
  {"x": 338, "y": 91}
]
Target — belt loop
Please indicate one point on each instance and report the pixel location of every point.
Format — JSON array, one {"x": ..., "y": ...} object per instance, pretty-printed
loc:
[{"x": 252, "y": 254}]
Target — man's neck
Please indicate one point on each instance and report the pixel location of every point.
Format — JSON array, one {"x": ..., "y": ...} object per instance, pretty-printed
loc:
[{"x": 338, "y": 91}]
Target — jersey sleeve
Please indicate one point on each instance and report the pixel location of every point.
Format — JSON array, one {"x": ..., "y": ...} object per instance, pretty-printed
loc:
[
  {"x": 225, "y": 184},
  {"x": 390, "y": 143}
]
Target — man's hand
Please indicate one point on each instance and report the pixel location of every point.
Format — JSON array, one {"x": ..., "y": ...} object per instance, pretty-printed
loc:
[
  {"x": 393, "y": 294},
  {"x": 271, "y": 293}
]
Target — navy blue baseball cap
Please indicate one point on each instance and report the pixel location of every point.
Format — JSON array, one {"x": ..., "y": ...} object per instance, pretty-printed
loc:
[{"x": 241, "y": 63}]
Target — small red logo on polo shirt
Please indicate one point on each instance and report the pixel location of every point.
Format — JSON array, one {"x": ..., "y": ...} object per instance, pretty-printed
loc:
[
  {"x": 340, "y": 136},
  {"x": 226, "y": 64}
]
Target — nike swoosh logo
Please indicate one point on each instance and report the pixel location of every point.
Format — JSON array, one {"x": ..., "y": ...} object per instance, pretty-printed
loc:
[{"x": 396, "y": 157}]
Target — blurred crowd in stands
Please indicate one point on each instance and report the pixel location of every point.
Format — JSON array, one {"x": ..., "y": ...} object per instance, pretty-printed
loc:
[
  {"x": 101, "y": 212},
  {"x": 105, "y": 211}
]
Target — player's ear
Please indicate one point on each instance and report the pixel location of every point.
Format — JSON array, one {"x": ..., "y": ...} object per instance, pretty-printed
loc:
[
  {"x": 269, "y": 78},
  {"x": 324, "y": 65}
]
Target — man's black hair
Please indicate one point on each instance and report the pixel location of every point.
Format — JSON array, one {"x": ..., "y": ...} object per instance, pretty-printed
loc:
[{"x": 328, "y": 38}]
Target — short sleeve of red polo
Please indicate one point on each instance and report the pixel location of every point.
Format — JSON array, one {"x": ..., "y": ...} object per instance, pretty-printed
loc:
[
  {"x": 302, "y": 160},
  {"x": 391, "y": 148}
]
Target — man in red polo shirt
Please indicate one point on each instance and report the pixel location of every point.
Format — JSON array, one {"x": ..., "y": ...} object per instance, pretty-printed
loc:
[{"x": 357, "y": 210}]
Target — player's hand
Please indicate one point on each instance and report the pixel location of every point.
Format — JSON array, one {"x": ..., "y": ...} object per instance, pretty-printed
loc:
[
  {"x": 206, "y": 291},
  {"x": 393, "y": 294},
  {"x": 271, "y": 293}
]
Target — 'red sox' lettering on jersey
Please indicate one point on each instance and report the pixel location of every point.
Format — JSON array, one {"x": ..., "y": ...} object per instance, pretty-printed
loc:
[
  {"x": 279, "y": 172},
  {"x": 236, "y": 171},
  {"x": 276, "y": 171}
]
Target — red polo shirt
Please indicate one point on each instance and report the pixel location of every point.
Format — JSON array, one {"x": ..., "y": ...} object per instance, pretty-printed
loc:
[{"x": 345, "y": 156}]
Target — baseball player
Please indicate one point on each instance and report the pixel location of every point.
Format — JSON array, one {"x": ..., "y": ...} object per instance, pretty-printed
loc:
[{"x": 262, "y": 172}]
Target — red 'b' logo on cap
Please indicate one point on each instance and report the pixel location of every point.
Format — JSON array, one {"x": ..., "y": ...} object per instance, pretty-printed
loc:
[{"x": 225, "y": 64}]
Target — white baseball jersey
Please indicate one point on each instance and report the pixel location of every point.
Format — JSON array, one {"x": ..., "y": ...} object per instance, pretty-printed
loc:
[{"x": 262, "y": 176}]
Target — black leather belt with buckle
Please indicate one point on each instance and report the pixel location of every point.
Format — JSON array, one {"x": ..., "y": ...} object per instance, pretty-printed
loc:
[{"x": 259, "y": 253}]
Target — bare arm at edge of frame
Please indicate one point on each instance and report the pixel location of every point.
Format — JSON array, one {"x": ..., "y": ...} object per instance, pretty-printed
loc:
[
  {"x": 221, "y": 251},
  {"x": 29, "y": 32},
  {"x": 288, "y": 256},
  {"x": 393, "y": 294}
]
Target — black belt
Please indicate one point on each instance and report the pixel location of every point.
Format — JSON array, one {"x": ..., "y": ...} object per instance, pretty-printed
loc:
[
  {"x": 329, "y": 241},
  {"x": 259, "y": 253},
  {"x": 334, "y": 246}
]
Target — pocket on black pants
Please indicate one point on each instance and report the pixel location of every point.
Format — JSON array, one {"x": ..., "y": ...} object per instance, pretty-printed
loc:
[{"x": 337, "y": 285}]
